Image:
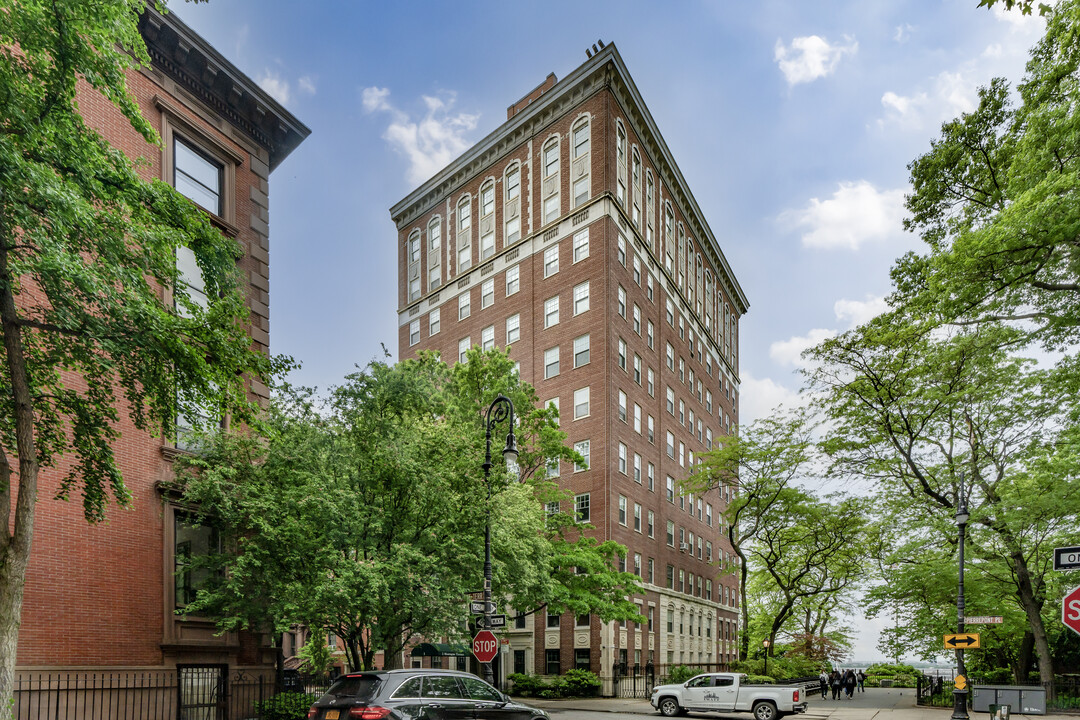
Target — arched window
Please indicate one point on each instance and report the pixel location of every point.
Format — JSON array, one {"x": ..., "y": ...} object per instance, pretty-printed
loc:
[
  {"x": 635, "y": 177},
  {"x": 669, "y": 238},
  {"x": 550, "y": 191},
  {"x": 681, "y": 259},
  {"x": 581, "y": 138},
  {"x": 413, "y": 250},
  {"x": 620, "y": 162},
  {"x": 434, "y": 253},
  {"x": 512, "y": 205},
  {"x": 487, "y": 220},
  {"x": 551, "y": 157},
  {"x": 464, "y": 234},
  {"x": 649, "y": 191}
]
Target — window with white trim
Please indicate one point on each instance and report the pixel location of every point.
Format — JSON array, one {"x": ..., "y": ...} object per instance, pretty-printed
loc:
[
  {"x": 487, "y": 293},
  {"x": 622, "y": 510},
  {"x": 464, "y": 234},
  {"x": 622, "y": 406},
  {"x": 464, "y": 305},
  {"x": 582, "y": 449},
  {"x": 551, "y": 362},
  {"x": 650, "y": 524},
  {"x": 622, "y": 459},
  {"x": 462, "y": 348},
  {"x": 581, "y": 507},
  {"x": 551, "y": 260},
  {"x": 487, "y": 338},
  {"x": 581, "y": 350},
  {"x": 637, "y": 468},
  {"x": 622, "y": 353},
  {"x": 650, "y": 384},
  {"x": 513, "y": 279},
  {"x": 414, "y": 332},
  {"x": 581, "y": 298},
  {"x": 434, "y": 321},
  {"x": 622, "y": 302},
  {"x": 581, "y": 245},
  {"x": 581, "y": 403},
  {"x": 637, "y": 418},
  {"x": 649, "y": 428},
  {"x": 637, "y": 319},
  {"x": 434, "y": 253},
  {"x": 670, "y": 445},
  {"x": 513, "y": 328},
  {"x": 551, "y": 311}
]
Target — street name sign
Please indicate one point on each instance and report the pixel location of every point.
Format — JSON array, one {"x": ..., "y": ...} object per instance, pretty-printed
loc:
[
  {"x": 1067, "y": 558},
  {"x": 1070, "y": 610},
  {"x": 984, "y": 620},
  {"x": 477, "y": 608},
  {"x": 485, "y": 645},
  {"x": 962, "y": 641},
  {"x": 497, "y": 621}
]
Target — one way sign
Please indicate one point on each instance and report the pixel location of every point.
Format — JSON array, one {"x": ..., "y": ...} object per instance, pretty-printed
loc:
[{"x": 964, "y": 641}]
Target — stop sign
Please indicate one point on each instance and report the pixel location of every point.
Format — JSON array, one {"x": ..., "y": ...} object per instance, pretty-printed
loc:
[
  {"x": 485, "y": 645},
  {"x": 1070, "y": 610}
]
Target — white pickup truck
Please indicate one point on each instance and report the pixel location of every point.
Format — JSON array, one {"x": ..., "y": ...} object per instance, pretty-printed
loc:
[{"x": 726, "y": 692}]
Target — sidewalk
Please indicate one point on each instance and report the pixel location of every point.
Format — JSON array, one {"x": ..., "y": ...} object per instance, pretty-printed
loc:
[{"x": 875, "y": 704}]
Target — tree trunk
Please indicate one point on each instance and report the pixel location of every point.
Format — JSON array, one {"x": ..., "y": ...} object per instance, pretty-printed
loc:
[
  {"x": 14, "y": 541},
  {"x": 1032, "y": 607},
  {"x": 744, "y": 638},
  {"x": 1022, "y": 661}
]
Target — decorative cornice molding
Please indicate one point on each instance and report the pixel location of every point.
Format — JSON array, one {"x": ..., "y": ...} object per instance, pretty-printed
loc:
[{"x": 191, "y": 62}]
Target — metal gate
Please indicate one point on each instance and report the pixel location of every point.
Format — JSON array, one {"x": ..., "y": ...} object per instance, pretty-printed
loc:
[{"x": 202, "y": 692}]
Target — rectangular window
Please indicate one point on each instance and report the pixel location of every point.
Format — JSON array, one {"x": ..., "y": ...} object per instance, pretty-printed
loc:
[
  {"x": 487, "y": 338},
  {"x": 637, "y": 468},
  {"x": 670, "y": 310},
  {"x": 197, "y": 177},
  {"x": 651, "y": 476},
  {"x": 581, "y": 403},
  {"x": 671, "y": 445},
  {"x": 670, "y": 533},
  {"x": 552, "y": 508},
  {"x": 622, "y": 510},
  {"x": 487, "y": 200},
  {"x": 622, "y": 353},
  {"x": 637, "y": 418},
  {"x": 650, "y": 382},
  {"x": 551, "y": 260},
  {"x": 553, "y": 620},
  {"x": 637, "y": 517},
  {"x": 650, "y": 524},
  {"x": 582, "y": 449},
  {"x": 621, "y": 249},
  {"x": 462, "y": 347},
  {"x": 513, "y": 231},
  {"x": 414, "y": 332},
  {"x": 551, "y": 159},
  {"x": 671, "y": 586},
  {"x": 637, "y": 564},
  {"x": 581, "y": 350},
  {"x": 622, "y": 406},
  {"x": 513, "y": 328},
  {"x": 649, "y": 332},
  {"x": 487, "y": 293},
  {"x": 551, "y": 208},
  {"x": 622, "y": 302},
  {"x": 513, "y": 281},
  {"x": 649, "y": 430},
  {"x": 551, "y": 311},
  {"x": 582, "y": 660},
  {"x": 464, "y": 306},
  {"x": 551, "y": 362},
  {"x": 581, "y": 190},
  {"x": 622, "y": 460},
  {"x": 581, "y": 508},
  {"x": 637, "y": 271},
  {"x": 581, "y": 298},
  {"x": 670, "y": 488},
  {"x": 519, "y": 655},
  {"x": 670, "y": 395},
  {"x": 487, "y": 245},
  {"x": 669, "y": 356},
  {"x": 637, "y": 368},
  {"x": 637, "y": 319},
  {"x": 708, "y": 401},
  {"x": 708, "y": 514},
  {"x": 191, "y": 541},
  {"x": 581, "y": 245},
  {"x": 434, "y": 321}
]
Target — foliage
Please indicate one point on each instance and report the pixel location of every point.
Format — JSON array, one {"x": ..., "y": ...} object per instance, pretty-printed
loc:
[
  {"x": 316, "y": 657},
  {"x": 582, "y": 683},
  {"x": 285, "y": 706},
  {"x": 87, "y": 247},
  {"x": 760, "y": 680},
  {"x": 527, "y": 685},
  {"x": 781, "y": 667},
  {"x": 680, "y": 674},
  {"x": 365, "y": 516},
  {"x": 892, "y": 670},
  {"x": 574, "y": 683}
]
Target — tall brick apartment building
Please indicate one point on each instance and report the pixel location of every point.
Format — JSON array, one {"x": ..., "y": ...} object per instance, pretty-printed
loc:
[
  {"x": 570, "y": 235},
  {"x": 103, "y": 598}
]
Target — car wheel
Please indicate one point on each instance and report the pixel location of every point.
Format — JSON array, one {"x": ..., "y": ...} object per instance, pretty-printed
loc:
[
  {"x": 765, "y": 711},
  {"x": 669, "y": 707}
]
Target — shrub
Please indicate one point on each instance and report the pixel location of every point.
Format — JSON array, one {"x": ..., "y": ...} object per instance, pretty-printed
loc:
[
  {"x": 581, "y": 683},
  {"x": 759, "y": 680},
  {"x": 680, "y": 674},
  {"x": 285, "y": 706},
  {"x": 528, "y": 685}
]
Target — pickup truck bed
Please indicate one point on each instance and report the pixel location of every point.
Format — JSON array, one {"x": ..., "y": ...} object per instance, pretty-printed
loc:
[{"x": 726, "y": 692}]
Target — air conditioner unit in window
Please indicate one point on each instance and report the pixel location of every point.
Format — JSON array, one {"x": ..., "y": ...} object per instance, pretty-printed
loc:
[{"x": 683, "y": 547}]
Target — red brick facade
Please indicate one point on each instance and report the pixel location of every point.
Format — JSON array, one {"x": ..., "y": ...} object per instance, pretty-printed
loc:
[
  {"x": 630, "y": 285},
  {"x": 102, "y": 596}
]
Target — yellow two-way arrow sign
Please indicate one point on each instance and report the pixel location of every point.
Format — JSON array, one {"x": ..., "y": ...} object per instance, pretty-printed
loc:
[
  {"x": 964, "y": 641},
  {"x": 960, "y": 682}
]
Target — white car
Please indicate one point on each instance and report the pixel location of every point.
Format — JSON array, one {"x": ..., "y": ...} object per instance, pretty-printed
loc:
[{"x": 727, "y": 692}]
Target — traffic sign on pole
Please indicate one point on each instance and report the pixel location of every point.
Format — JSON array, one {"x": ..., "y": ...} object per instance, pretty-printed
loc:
[
  {"x": 485, "y": 646},
  {"x": 964, "y": 641},
  {"x": 1067, "y": 558},
  {"x": 496, "y": 621},
  {"x": 1070, "y": 610},
  {"x": 477, "y": 607},
  {"x": 984, "y": 620}
]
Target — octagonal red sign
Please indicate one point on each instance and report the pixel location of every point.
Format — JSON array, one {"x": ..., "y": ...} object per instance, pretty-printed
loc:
[
  {"x": 485, "y": 645},
  {"x": 1070, "y": 610}
]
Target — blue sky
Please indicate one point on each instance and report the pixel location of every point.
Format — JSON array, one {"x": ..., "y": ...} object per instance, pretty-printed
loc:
[{"x": 793, "y": 123}]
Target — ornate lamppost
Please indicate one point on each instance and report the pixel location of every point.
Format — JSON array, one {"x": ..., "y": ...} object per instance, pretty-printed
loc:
[
  {"x": 501, "y": 408},
  {"x": 960, "y": 711},
  {"x": 765, "y": 644}
]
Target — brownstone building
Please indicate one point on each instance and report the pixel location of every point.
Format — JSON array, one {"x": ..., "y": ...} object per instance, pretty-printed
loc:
[
  {"x": 102, "y": 599},
  {"x": 570, "y": 235}
]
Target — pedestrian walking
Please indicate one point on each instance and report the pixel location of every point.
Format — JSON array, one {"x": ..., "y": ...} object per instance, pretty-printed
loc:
[
  {"x": 861, "y": 677},
  {"x": 849, "y": 682},
  {"x": 834, "y": 682},
  {"x": 823, "y": 681}
]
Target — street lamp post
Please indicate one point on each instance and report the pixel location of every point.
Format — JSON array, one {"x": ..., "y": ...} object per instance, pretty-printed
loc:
[
  {"x": 501, "y": 408},
  {"x": 765, "y": 644},
  {"x": 960, "y": 711}
]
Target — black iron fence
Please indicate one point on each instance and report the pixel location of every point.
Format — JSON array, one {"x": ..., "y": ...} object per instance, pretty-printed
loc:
[
  {"x": 186, "y": 693},
  {"x": 637, "y": 681}
]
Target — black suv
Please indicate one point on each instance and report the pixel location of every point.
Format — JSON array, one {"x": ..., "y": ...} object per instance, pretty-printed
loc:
[{"x": 417, "y": 695}]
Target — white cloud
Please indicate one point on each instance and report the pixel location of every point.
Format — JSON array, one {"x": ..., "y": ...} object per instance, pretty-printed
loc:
[
  {"x": 789, "y": 352},
  {"x": 903, "y": 33},
  {"x": 952, "y": 93},
  {"x": 1020, "y": 22},
  {"x": 758, "y": 397},
  {"x": 857, "y": 312},
  {"x": 855, "y": 214},
  {"x": 810, "y": 58},
  {"x": 430, "y": 142},
  {"x": 278, "y": 88},
  {"x": 307, "y": 84}
]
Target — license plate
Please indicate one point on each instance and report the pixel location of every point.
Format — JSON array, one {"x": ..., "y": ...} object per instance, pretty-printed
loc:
[{"x": 331, "y": 715}]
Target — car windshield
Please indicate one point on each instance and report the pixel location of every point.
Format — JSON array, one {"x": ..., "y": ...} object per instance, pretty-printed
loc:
[{"x": 361, "y": 687}]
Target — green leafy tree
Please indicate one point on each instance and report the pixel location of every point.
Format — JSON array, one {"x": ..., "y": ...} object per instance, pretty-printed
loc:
[
  {"x": 367, "y": 518},
  {"x": 928, "y": 417},
  {"x": 86, "y": 248}
]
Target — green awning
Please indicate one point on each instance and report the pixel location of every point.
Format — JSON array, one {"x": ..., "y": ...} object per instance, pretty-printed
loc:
[{"x": 438, "y": 650}]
